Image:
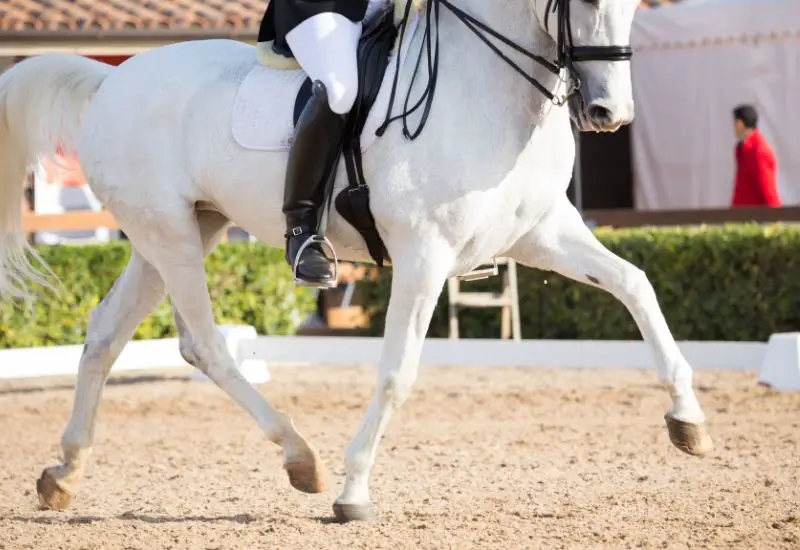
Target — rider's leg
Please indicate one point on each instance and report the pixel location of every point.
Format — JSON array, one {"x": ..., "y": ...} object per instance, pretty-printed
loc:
[{"x": 325, "y": 46}]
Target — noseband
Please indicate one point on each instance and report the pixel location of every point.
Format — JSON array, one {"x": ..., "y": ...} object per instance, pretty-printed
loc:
[{"x": 568, "y": 55}]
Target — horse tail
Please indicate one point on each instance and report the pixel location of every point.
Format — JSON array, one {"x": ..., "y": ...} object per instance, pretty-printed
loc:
[{"x": 42, "y": 100}]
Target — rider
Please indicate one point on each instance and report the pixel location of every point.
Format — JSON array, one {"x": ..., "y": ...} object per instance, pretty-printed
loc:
[{"x": 322, "y": 35}]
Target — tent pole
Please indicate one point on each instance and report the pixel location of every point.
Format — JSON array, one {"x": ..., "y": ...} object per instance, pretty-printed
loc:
[{"x": 576, "y": 171}]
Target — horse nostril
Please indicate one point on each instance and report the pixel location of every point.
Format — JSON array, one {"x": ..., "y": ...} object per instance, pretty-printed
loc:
[{"x": 599, "y": 113}]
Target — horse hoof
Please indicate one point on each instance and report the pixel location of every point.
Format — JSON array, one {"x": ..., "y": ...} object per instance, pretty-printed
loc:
[
  {"x": 308, "y": 476},
  {"x": 51, "y": 496},
  {"x": 345, "y": 513},
  {"x": 692, "y": 439}
]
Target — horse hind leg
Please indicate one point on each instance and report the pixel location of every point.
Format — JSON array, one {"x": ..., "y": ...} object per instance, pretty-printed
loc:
[
  {"x": 302, "y": 463},
  {"x": 212, "y": 226},
  {"x": 203, "y": 346},
  {"x": 134, "y": 295},
  {"x": 563, "y": 243}
]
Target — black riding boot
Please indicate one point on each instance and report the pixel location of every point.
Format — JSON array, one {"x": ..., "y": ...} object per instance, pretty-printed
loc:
[{"x": 313, "y": 153}]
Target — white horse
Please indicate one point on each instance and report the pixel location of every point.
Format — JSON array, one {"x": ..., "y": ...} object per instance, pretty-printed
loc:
[{"x": 486, "y": 178}]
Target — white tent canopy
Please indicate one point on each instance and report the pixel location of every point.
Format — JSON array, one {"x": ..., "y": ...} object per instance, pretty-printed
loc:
[{"x": 693, "y": 63}]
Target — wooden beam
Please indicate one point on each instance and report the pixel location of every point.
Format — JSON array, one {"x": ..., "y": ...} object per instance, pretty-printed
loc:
[
  {"x": 68, "y": 221},
  {"x": 714, "y": 216},
  {"x": 102, "y": 42},
  {"x": 121, "y": 47}
]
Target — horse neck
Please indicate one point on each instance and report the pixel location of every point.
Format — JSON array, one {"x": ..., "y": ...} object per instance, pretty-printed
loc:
[{"x": 467, "y": 58}]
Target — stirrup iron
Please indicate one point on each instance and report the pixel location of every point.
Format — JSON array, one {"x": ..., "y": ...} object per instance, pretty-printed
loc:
[
  {"x": 478, "y": 274},
  {"x": 310, "y": 284}
]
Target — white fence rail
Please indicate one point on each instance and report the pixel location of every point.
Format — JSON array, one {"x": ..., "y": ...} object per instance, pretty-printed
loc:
[
  {"x": 63, "y": 360},
  {"x": 742, "y": 356},
  {"x": 777, "y": 362}
]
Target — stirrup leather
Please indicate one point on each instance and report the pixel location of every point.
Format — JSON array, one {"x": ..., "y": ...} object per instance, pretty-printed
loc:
[{"x": 318, "y": 240}]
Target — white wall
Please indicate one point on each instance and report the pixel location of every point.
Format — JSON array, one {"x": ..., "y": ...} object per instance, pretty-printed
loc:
[{"x": 693, "y": 63}]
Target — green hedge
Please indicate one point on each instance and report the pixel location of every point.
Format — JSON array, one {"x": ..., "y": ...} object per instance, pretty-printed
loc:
[
  {"x": 736, "y": 282},
  {"x": 248, "y": 283}
]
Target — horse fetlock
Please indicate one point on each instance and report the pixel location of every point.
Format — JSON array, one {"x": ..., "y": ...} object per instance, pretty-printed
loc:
[
  {"x": 686, "y": 408},
  {"x": 354, "y": 502},
  {"x": 70, "y": 473},
  {"x": 75, "y": 452}
]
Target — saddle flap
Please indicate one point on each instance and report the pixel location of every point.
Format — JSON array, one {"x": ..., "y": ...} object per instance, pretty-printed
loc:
[
  {"x": 374, "y": 51},
  {"x": 353, "y": 206}
]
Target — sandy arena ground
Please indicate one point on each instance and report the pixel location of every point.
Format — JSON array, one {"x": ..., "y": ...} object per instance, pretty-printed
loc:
[{"x": 477, "y": 458}]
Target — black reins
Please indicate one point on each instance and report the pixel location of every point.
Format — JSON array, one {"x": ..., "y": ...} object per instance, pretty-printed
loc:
[{"x": 568, "y": 54}]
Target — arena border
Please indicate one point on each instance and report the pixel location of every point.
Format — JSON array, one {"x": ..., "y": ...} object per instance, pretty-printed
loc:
[
  {"x": 164, "y": 354},
  {"x": 777, "y": 361},
  {"x": 736, "y": 356},
  {"x": 40, "y": 362}
]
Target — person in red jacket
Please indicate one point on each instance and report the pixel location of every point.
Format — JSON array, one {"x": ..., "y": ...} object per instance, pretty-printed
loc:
[{"x": 756, "y": 167}]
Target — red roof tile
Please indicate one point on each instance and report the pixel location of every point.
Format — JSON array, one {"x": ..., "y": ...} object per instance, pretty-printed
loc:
[
  {"x": 144, "y": 15},
  {"x": 130, "y": 15}
]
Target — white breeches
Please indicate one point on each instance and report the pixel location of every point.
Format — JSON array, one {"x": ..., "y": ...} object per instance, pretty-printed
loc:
[{"x": 325, "y": 46}]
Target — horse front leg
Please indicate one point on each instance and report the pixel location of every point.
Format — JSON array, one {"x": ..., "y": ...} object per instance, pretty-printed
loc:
[
  {"x": 562, "y": 243},
  {"x": 417, "y": 282}
]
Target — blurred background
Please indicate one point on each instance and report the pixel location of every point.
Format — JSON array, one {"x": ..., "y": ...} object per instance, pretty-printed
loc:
[{"x": 676, "y": 165}]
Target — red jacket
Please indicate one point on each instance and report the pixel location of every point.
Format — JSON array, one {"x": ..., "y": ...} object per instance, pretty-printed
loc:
[{"x": 756, "y": 167}]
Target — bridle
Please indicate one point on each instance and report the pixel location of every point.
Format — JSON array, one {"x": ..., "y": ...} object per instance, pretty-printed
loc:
[{"x": 568, "y": 55}]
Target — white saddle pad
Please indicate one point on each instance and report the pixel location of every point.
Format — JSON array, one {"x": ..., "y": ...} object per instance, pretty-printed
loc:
[{"x": 263, "y": 109}]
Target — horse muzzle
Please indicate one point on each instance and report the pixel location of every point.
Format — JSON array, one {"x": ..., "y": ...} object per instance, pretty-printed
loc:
[{"x": 600, "y": 115}]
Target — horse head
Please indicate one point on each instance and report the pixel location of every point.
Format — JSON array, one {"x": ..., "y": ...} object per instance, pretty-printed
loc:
[{"x": 591, "y": 38}]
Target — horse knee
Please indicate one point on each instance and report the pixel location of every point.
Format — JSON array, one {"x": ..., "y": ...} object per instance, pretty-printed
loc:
[
  {"x": 635, "y": 282},
  {"x": 397, "y": 388}
]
